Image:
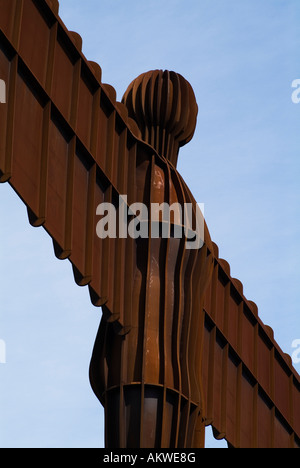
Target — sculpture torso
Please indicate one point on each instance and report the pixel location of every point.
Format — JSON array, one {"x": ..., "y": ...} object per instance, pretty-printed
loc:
[{"x": 150, "y": 377}]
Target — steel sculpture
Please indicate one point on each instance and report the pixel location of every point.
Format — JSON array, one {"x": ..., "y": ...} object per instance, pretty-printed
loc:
[{"x": 179, "y": 346}]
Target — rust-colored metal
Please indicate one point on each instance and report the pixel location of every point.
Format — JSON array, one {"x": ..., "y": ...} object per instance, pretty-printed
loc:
[
  {"x": 150, "y": 378},
  {"x": 179, "y": 346}
]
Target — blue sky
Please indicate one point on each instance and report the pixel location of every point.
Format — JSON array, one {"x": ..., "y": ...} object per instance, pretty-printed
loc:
[{"x": 243, "y": 164}]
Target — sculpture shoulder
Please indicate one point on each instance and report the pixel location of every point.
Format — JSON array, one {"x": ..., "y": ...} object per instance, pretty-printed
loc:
[{"x": 189, "y": 198}]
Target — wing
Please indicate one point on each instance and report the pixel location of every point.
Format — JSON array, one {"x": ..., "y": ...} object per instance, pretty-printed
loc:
[
  {"x": 66, "y": 146},
  {"x": 251, "y": 389}
]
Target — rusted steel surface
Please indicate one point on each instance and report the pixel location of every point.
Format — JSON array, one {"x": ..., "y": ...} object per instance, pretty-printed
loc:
[
  {"x": 252, "y": 391},
  {"x": 150, "y": 378},
  {"x": 67, "y": 145}
]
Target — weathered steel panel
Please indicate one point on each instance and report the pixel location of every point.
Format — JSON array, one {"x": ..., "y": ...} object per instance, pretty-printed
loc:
[
  {"x": 256, "y": 374},
  {"x": 57, "y": 141}
]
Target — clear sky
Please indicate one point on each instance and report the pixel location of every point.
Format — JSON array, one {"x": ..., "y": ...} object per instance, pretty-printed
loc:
[{"x": 243, "y": 163}]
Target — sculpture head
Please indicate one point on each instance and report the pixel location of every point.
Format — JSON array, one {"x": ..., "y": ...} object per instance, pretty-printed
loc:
[{"x": 163, "y": 105}]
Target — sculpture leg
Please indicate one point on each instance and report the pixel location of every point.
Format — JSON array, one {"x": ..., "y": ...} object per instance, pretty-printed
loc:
[
  {"x": 146, "y": 416},
  {"x": 137, "y": 415}
]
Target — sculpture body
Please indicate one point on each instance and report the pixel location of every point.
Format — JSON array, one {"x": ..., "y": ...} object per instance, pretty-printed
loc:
[{"x": 150, "y": 378}]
